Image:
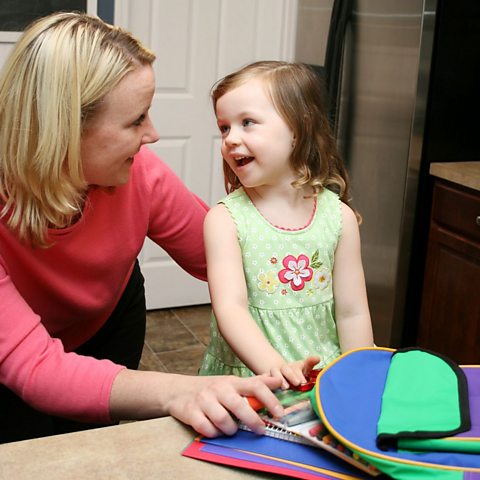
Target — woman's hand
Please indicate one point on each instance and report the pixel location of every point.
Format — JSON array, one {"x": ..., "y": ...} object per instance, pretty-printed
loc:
[
  {"x": 294, "y": 373},
  {"x": 208, "y": 403}
]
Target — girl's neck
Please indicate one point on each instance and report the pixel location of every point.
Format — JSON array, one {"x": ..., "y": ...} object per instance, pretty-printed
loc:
[{"x": 290, "y": 208}]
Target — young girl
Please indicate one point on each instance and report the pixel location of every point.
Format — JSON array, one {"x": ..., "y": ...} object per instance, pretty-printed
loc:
[{"x": 283, "y": 249}]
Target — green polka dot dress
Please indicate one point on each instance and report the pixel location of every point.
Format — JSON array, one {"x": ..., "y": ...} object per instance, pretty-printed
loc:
[{"x": 289, "y": 281}]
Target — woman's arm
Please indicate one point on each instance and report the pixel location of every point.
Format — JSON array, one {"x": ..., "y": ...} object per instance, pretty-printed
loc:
[
  {"x": 36, "y": 367},
  {"x": 351, "y": 305},
  {"x": 176, "y": 214},
  {"x": 205, "y": 403}
]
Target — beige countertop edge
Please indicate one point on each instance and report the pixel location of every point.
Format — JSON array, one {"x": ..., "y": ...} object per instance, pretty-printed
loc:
[
  {"x": 144, "y": 450},
  {"x": 466, "y": 174}
]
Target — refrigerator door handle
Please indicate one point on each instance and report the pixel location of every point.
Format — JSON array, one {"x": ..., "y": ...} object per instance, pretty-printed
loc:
[{"x": 342, "y": 13}]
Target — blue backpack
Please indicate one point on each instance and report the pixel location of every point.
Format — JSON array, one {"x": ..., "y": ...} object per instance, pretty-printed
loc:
[{"x": 412, "y": 413}]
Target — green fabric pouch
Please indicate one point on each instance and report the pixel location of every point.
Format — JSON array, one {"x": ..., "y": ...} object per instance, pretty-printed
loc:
[{"x": 425, "y": 401}]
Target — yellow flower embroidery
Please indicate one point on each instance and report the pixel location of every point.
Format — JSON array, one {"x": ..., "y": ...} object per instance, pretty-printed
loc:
[{"x": 268, "y": 281}]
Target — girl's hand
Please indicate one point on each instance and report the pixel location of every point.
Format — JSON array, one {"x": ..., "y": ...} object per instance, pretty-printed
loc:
[{"x": 294, "y": 373}]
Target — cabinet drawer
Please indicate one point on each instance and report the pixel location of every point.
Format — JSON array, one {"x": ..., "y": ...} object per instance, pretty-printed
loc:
[{"x": 457, "y": 209}]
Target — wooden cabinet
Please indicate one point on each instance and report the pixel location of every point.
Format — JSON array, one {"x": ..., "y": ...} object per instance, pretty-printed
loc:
[{"x": 450, "y": 311}]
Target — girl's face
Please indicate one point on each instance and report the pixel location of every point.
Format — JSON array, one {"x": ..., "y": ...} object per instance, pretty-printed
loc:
[
  {"x": 256, "y": 141},
  {"x": 118, "y": 130}
]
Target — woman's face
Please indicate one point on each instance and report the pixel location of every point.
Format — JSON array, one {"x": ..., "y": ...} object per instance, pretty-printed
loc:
[{"x": 118, "y": 130}]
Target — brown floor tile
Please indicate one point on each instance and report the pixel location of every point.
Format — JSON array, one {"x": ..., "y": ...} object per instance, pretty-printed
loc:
[
  {"x": 197, "y": 320},
  {"x": 165, "y": 332},
  {"x": 186, "y": 360},
  {"x": 176, "y": 339},
  {"x": 150, "y": 361}
]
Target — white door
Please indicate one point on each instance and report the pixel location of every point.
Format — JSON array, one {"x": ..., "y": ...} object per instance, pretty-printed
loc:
[{"x": 196, "y": 43}]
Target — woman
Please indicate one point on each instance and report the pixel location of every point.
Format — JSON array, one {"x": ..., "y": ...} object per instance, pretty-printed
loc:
[{"x": 79, "y": 191}]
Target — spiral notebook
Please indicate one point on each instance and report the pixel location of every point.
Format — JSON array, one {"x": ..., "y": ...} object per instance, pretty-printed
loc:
[
  {"x": 280, "y": 432},
  {"x": 301, "y": 425}
]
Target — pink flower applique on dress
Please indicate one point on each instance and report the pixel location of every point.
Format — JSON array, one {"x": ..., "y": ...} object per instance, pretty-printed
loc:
[{"x": 296, "y": 271}]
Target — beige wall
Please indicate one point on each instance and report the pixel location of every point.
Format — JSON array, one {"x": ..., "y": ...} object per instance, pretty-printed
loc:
[{"x": 312, "y": 30}]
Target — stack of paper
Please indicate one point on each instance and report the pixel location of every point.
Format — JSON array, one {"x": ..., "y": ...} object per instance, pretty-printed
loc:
[{"x": 273, "y": 455}]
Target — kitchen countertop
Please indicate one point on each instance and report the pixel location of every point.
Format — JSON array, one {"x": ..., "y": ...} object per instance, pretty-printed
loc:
[
  {"x": 150, "y": 449},
  {"x": 466, "y": 174}
]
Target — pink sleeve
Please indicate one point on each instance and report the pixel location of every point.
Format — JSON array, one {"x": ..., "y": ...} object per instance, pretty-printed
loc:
[
  {"x": 176, "y": 219},
  {"x": 35, "y": 366}
]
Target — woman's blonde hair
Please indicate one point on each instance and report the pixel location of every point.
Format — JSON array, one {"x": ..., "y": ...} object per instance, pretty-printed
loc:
[
  {"x": 298, "y": 97},
  {"x": 51, "y": 85}
]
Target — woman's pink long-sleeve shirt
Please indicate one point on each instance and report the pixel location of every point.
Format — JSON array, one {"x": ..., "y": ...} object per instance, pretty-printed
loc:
[{"x": 53, "y": 300}]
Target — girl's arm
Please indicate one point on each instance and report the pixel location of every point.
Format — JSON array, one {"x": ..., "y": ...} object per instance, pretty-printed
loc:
[
  {"x": 228, "y": 292},
  {"x": 351, "y": 305}
]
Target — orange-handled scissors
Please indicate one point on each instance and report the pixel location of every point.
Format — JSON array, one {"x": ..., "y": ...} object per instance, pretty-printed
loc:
[{"x": 303, "y": 387}]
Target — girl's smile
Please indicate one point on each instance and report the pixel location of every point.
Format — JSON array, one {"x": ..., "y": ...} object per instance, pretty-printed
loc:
[
  {"x": 256, "y": 141},
  {"x": 242, "y": 161}
]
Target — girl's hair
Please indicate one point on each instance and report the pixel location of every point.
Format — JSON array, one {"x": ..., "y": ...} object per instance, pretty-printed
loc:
[
  {"x": 297, "y": 94},
  {"x": 53, "y": 82}
]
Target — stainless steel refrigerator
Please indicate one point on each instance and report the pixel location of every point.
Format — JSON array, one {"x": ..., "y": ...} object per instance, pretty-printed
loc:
[{"x": 381, "y": 60}]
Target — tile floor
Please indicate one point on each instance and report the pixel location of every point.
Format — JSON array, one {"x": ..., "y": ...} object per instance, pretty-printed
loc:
[{"x": 176, "y": 339}]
